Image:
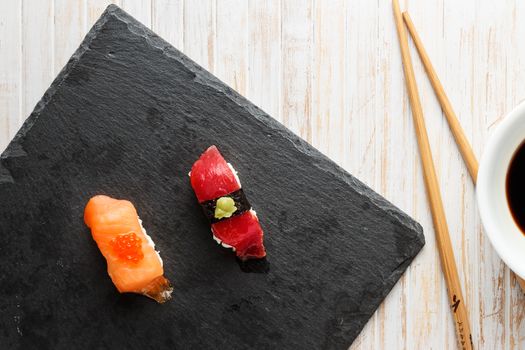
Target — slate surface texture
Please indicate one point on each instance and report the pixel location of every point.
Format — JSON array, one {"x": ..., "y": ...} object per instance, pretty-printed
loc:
[{"x": 127, "y": 117}]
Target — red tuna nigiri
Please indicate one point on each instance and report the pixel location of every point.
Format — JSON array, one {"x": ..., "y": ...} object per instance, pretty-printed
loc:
[{"x": 218, "y": 189}]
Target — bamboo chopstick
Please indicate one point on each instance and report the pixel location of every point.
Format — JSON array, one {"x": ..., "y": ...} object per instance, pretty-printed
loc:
[
  {"x": 446, "y": 254},
  {"x": 452, "y": 119},
  {"x": 457, "y": 131}
]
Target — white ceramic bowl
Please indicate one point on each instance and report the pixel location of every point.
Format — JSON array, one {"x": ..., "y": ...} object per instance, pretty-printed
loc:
[{"x": 500, "y": 227}]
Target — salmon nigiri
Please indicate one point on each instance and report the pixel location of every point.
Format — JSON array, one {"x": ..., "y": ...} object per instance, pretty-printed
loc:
[{"x": 133, "y": 264}]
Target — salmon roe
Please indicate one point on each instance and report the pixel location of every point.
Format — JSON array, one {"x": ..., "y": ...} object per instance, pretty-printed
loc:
[{"x": 128, "y": 247}]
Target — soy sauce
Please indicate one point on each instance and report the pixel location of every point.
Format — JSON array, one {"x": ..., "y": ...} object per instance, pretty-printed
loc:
[{"x": 515, "y": 186}]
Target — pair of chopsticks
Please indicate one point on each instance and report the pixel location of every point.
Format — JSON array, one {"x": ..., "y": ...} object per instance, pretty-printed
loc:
[
  {"x": 464, "y": 147},
  {"x": 446, "y": 253}
]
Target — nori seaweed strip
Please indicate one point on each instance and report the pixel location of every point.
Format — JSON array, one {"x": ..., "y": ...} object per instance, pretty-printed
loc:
[{"x": 241, "y": 202}]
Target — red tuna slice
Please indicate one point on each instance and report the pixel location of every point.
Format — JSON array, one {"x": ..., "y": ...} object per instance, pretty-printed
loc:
[
  {"x": 244, "y": 233},
  {"x": 211, "y": 177}
]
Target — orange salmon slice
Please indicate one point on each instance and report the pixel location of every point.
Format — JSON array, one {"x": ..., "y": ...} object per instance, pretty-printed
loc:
[{"x": 133, "y": 263}]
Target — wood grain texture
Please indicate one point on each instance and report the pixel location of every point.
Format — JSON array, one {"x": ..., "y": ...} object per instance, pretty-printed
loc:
[
  {"x": 69, "y": 30},
  {"x": 38, "y": 50},
  {"x": 459, "y": 135},
  {"x": 296, "y": 66},
  {"x": 200, "y": 32},
  {"x": 444, "y": 245},
  {"x": 167, "y": 20},
  {"x": 331, "y": 71},
  {"x": 232, "y": 43},
  {"x": 264, "y": 55},
  {"x": 11, "y": 63},
  {"x": 94, "y": 8},
  {"x": 328, "y": 110},
  {"x": 140, "y": 9},
  {"x": 462, "y": 142}
]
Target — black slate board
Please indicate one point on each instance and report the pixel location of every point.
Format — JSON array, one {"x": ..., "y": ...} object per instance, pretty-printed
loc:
[{"x": 127, "y": 117}]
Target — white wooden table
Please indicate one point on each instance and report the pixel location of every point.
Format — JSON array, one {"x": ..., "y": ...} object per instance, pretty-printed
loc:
[{"x": 331, "y": 71}]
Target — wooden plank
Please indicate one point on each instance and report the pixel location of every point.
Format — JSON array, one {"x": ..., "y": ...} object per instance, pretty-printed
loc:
[
  {"x": 232, "y": 43},
  {"x": 459, "y": 192},
  {"x": 168, "y": 20},
  {"x": 439, "y": 331},
  {"x": 459, "y": 314},
  {"x": 94, "y": 9},
  {"x": 199, "y": 32},
  {"x": 329, "y": 122},
  {"x": 296, "y": 66},
  {"x": 514, "y": 92},
  {"x": 10, "y": 61},
  {"x": 69, "y": 24},
  {"x": 428, "y": 316},
  {"x": 140, "y": 9},
  {"x": 380, "y": 142},
  {"x": 479, "y": 106},
  {"x": 264, "y": 55},
  {"x": 362, "y": 126},
  {"x": 37, "y": 51}
]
